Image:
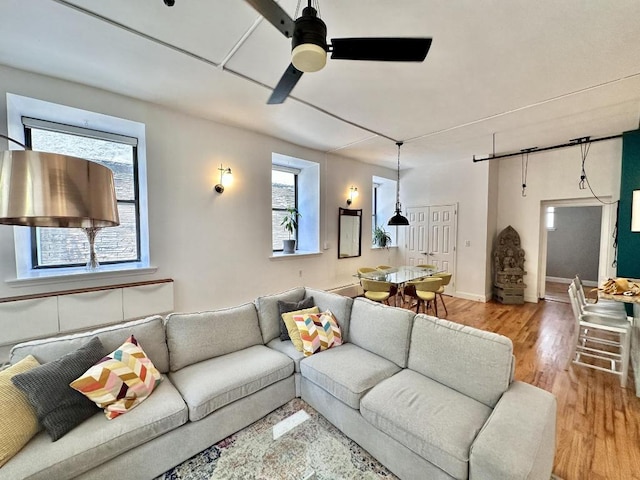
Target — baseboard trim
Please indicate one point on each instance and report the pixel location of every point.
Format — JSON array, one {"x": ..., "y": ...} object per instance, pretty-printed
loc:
[{"x": 588, "y": 283}]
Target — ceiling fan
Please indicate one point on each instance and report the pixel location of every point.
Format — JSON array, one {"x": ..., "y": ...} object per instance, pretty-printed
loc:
[{"x": 309, "y": 46}]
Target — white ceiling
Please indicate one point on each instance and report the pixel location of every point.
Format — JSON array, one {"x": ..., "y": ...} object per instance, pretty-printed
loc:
[{"x": 531, "y": 73}]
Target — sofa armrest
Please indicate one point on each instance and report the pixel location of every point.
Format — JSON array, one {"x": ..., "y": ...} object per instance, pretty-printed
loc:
[{"x": 519, "y": 439}]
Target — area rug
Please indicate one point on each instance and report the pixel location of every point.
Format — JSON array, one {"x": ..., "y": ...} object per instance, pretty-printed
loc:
[{"x": 313, "y": 450}]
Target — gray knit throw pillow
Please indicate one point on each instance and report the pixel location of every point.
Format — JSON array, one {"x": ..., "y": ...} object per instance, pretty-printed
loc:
[{"x": 58, "y": 406}]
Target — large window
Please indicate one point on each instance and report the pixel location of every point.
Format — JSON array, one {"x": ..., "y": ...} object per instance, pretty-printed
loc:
[
  {"x": 284, "y": 195},
  {"x": 114, "y": 142},
  {"x": 65, "y": 247}
]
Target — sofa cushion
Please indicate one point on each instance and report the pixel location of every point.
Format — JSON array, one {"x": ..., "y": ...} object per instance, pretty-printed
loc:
[
  {"x": 211, "y": 384},
  {"x": 471, "y": 361},
  {"x": 193, "y": 337},
  {"x": 98, "y": 440},
  {"x": 339, "y": 305},
  {"x": 347, "y": 372},
  {"x": 285, "y": 307},
  {"x": 18, "y": 420},
  {"x": 433, "y": 420},
  {"x": 58, "y": 406},
  {"x": 268, "y": 312},
  {"x": 381, "y": 329},
  {"x": 120, "y": 381},
  {"x": 289, "y": 350},
  {"x": 149, "y": 331}
]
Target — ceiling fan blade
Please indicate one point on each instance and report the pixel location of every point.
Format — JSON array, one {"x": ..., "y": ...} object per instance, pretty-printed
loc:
[
  {"x": 285, "y": 85},
  {"x": 274, "y": 15},
  {"x": 380, "y": 49}
]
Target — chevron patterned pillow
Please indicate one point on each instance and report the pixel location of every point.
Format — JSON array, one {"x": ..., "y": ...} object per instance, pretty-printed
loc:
[
  {"x": 121, "y": 380},
  {"x": 318, "y": 332}
]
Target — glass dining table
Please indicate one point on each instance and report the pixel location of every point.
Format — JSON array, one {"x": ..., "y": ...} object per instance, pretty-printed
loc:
[{"x": 398, "y": 275}]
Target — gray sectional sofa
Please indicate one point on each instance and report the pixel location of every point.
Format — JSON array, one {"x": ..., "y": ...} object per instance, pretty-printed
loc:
[{"x": 428, "y": 398}]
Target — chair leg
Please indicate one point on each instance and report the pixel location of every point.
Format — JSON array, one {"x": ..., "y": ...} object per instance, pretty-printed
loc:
[
  {"x": 626, "y": 347},
  {"x": 443, "y": 304}
]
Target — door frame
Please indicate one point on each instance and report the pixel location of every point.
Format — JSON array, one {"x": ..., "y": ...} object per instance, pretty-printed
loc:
[{"x": 607, "y": 224}]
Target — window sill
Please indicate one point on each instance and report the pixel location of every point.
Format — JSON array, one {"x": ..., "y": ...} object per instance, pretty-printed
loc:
[
  {"x": 47, "y": 277},
  {"x": 384, "y": 248},
  {"x": 299, "y": 253}
]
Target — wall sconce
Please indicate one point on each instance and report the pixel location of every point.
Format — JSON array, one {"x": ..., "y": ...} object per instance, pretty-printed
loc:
[
  {"x": 226, "y": 179},
  {"x": 353, "y": 194},
  {"x": 635, "y": 211}
]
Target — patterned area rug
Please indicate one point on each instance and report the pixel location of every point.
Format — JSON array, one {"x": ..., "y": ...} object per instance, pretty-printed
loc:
[
  {"x": 313, "y": 450},
  {"x": 314, "y": 447}
]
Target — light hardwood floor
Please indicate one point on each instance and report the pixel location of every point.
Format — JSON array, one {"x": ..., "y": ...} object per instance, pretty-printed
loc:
[{"x": 598, "y": 427}]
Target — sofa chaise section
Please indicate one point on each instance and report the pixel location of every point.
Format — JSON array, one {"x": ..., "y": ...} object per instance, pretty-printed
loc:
[{"x": 97, "y": 441}]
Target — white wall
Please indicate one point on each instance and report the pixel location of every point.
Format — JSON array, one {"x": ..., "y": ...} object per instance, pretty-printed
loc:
[
  {"x": 465, "y": 183},
  {"x": 553, "y": 177},
  {"x": 217, "y": 248}
]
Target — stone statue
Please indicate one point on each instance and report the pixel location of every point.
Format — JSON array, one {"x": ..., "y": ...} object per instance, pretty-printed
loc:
[{"x": 508, "y": 267}]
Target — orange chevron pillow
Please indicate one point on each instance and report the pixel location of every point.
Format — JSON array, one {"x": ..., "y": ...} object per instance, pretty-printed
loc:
[
  {"x": 121, "y": 380},
  {"x": 318, "y": 331}
]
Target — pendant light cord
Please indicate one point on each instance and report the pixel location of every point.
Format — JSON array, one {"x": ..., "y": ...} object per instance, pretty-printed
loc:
[
  {"x": 524, "y": 161},
  {"x": 398, "y": 207}
]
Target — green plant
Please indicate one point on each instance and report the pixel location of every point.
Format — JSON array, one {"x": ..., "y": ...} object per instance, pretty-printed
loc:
[
  {"x": 381, "y": 237},
  {"x": 290, "y": 220}
]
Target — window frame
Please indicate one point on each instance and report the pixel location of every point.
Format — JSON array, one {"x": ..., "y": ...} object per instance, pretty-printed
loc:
[
  {"x": 19, "y": 106},
  {"x": 295, "y": 172},
  {"x": 29, "y": 124}
]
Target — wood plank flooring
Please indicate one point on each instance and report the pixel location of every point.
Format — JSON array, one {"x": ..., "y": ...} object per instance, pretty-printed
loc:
[{"x": 598, "y": 425}]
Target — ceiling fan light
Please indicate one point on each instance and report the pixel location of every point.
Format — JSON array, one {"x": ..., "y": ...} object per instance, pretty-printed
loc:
[{"x": 309, "y": 57}]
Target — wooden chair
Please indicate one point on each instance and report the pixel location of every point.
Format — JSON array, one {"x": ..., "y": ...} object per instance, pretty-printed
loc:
[
  {"x": 376, "y": 290},
  {"x": 425, "y": 292},
  {"x": 602, "y": 339},
  {"x": 446, "y": 278}
]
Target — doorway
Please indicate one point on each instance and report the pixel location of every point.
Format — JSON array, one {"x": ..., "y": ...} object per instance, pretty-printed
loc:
[
  {"x": 431, "y": 238},
  {"x": 575, "y": 239}
]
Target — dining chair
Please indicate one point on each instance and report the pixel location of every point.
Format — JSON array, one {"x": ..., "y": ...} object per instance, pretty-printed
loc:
[
  {"x": 446, "y": 278},
  {"x": 376, "y": 290},
  {"x": 425, "y": 292},
  {"x": 602, "y": 339},
  {"x": 599, "y": 304},
  {"x": 427, "y": 266},
  {"x": 362, "y": 270},
  {"x": 615, "y": 309}
]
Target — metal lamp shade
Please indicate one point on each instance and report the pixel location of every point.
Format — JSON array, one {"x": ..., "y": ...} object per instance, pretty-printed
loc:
[
  {"x": 40, "y": 189},
  {"x": 398, "y": 220}
]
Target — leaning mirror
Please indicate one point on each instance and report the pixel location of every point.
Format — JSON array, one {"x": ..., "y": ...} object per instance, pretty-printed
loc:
[{"x": 349, "y": 233}]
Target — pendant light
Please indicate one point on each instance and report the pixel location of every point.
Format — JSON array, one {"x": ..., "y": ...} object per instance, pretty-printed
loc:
[{"x": 398, "y": 219}]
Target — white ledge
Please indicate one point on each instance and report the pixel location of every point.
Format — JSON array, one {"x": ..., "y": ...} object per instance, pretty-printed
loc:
[
  {"x": 64, "y": 275},
  {"x": 299, "y": 253}
]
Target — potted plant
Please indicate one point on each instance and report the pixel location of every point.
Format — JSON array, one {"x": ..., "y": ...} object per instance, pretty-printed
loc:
[
  {"x": 290, "y": 223},
  {"x": 381, "y": 237}
]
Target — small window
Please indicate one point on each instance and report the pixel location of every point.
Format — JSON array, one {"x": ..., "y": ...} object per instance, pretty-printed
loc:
[
  {"x": 295, "y": 183},
  {"x": 551, "y": 218},
  {"x": 284, "y": 195}
]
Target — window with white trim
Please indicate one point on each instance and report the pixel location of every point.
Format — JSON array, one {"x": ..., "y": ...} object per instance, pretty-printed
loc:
[
  {"x": 551, "y": 218},
  {"x": 115, "y": 142},
  {"x": 295, "y": 183}
]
